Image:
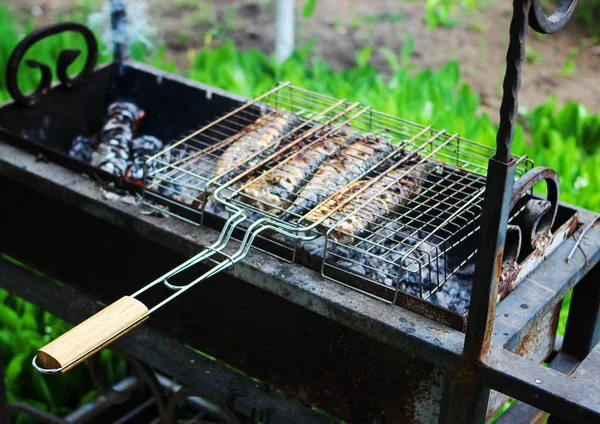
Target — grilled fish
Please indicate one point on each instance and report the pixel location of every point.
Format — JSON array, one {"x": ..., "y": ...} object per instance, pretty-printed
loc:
[
  {"x": 264, "y": 133},
  {"x": 274, "y": 192},
  {"x": 343, "y": 167},
  {"x": 382, "y": 202}
]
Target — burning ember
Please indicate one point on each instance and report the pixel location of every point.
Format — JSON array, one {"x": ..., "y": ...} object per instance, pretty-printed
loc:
[{"x": 116, "y": 150}]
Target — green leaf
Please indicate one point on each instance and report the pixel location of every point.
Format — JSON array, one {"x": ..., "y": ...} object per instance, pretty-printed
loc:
[
  {"x": 28, "y": 322},
  {"x": 391, "y": 58},
  {"x": 362, "y": 58},
  {"x": 41, "y": 388},
  {"x": 14, "y": 368},
  {"x": 8, "y": 317},
  {"x": 407, "y": 50},
  {"x": 309, "y": 8},
  {"x": 88, "y": 397}
]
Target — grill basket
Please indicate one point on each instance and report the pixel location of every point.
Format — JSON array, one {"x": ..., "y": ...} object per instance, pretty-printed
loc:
[{"x": 415, "y": 245}]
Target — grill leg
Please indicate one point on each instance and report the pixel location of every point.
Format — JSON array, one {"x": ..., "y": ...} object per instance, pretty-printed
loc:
[
  {"x": 465, "y": 397},
  {"x": 463, "y": 403},
  {"x": 583, "y": 326}
]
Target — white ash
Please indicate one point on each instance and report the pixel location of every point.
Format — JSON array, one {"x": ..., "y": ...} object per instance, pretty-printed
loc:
[
  {"x": 83, "y": 148},
  {"x": 114, "y": 149},
  {"x": 123, "y": 198}
]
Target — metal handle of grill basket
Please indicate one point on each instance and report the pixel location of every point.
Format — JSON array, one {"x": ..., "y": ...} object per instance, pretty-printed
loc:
[{"x": 91, "y": 335}]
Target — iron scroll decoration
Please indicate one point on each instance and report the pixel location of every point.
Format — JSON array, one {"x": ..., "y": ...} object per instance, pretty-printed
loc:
[
  {"x": 538, "y": 215},
  {"x": 555, "y": 22},
  {"x": 65, "y": 59},
  {"x": 527, "y": 13}
]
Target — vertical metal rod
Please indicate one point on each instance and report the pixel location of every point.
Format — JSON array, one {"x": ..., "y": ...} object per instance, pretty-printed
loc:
[
  {"x": 284, "y": 40},
  {"x": 512, "y": 78},
  {"x": 465, "y": 398},
  {"x": 583, "y": 326},
  {"x": 488, "y": 265},
  {"x": 463, "y": 401},
  {"x": 118, "y": 23}
]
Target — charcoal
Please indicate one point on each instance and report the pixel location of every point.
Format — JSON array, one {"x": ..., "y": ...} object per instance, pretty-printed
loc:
[
  {"x": 145, "y": 145},
  {"x": 82, "y": 148},
  {"x": 142, "y": 147},
  {"x": 391, "y": 246},
  {"x": 118, "y": 152},
  {"x": 114, "y": 149}
]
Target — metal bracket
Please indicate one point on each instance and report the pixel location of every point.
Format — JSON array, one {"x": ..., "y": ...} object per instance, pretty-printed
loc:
[{"x": 538, "y": 215}]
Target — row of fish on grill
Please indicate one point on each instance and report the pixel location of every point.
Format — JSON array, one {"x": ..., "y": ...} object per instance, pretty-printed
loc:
[{"x": 350, "y": 182}]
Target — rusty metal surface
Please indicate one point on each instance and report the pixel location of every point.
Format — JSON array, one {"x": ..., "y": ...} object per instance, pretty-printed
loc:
[
  {"x": 383, "y": 322},
  {"x": 583, "y": 326},
  {"x": 488, "y": 264},
  {"x": 536, "y": 346},
  {"x": 302, "y": 286},
  {"x": 539, "y": 215},
  {"x": 514, "y": 273},
  {"x": 320, "y": 362},
  {"x": 544, "y": 288},
  {"x": 519, "y": 412},
  {"x": 543, "y": 387},
  {"x": 587, "y": 372}
]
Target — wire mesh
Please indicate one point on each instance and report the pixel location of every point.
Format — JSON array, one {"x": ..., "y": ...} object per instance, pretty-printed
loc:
[{"x": 394, "y": 204}]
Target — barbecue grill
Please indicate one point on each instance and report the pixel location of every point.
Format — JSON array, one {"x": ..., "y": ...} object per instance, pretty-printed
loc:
[{"x": 465, "y": 228}]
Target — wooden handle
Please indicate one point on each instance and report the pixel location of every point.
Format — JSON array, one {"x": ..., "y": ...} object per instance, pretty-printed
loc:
[{"x": 94, "y": 330}]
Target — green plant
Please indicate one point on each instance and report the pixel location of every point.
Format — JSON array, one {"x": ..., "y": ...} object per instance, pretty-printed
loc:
[
  {"x": 587, "y": 12},
  {"x": 571, "y": 120},
  {"x": 531, "y": 56},
  {"x": 568, "y": 69},
  {"x": 391, "y": 17},
  {"x": 443, "y": 13},
  {"x": 187, "y": 4},
  {"x": 25, "y": 329},
  {"x": 309, "y": 8}
]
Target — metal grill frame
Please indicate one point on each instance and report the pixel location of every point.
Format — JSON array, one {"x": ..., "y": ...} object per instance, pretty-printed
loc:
[{"x": 322, "y": 116}]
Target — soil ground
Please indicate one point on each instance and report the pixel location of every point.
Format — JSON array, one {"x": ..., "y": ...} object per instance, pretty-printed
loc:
[{"x": 340, "y": 28}]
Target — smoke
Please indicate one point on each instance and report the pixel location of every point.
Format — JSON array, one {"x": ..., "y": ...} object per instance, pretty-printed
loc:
[{"x": 139, "y": 27}]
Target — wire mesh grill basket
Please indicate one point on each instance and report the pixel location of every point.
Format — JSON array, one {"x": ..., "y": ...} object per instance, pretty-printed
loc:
[{"x": 388, "y": 205}]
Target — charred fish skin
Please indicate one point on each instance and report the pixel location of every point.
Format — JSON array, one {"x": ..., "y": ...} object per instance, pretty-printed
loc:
[
  {"x": 265, "y": 133},
  {"x": 343, "y": 167},
  {"x": 404, "y": 183},
  {"x": 274, "y": 192}
]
